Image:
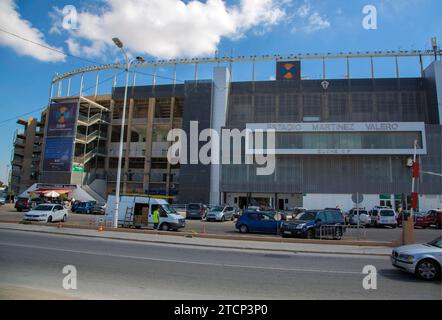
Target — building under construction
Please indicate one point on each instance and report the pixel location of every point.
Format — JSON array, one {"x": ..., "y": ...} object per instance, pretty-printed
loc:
[{"x": 334, "y": 136}]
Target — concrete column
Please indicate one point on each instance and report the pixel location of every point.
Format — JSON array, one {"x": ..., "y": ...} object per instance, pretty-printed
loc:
[
  {"x": 221, "y": 79},
  {"x": 128, "y": 136},
  {"x": 109, "y": 136},
  {"x": 148, "y": 155},
  {"x": 172, "y": 110}
]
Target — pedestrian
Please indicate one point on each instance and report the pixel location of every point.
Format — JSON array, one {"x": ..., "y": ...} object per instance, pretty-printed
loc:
[{"x": 156, "y": 218}]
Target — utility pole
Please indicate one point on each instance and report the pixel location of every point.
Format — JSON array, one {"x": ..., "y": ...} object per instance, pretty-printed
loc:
[{"x": 408, "y": 225}]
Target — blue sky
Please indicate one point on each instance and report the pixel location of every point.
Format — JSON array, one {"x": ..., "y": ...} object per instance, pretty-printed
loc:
[{"x": 172, "y": 28}]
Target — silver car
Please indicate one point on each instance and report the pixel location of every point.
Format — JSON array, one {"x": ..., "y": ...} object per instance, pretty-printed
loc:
[
  {"x": 424, "y": 260},
  {"x": 220, "y": 213}
]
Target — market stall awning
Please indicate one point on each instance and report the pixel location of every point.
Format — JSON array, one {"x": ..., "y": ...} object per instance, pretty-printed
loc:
[{"x": 46, "y": 190}]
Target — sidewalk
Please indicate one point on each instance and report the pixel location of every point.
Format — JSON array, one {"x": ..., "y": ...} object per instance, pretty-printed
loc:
[{"x": 186, "y": 239}]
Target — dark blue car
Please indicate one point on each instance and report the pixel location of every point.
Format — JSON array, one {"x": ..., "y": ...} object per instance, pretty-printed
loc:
[
  {"x": 313, "y": 224},
  {"x": 257, "y": 221},
  {"x": 85, "y": 207}
]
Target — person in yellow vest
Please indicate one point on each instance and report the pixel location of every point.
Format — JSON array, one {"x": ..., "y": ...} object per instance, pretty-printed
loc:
[{"x": 156, "y": 218}]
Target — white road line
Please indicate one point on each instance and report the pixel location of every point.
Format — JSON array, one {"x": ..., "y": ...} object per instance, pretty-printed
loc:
[{"x": 179, "y": 261}]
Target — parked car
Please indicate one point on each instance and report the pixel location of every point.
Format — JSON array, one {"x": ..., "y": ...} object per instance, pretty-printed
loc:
[
  {"x": 293, "y": 212},
  {"x": 2, "y": 201},
  {"x": 196, "y": 210},
  {"x": 434, "y": 217},
  {"x": 257, "y": 221},
  {"x": 98, "y": 208},
  {"x": 75, "y": 205},
  {"x": 237, "y": 212},
  {"x": 381, "y": 216},
  {"x": 221, "y": 213},
  {"x": 283, "y": 214},
  {"x": 364, "y": 217},
  {"x": 423, "y": 260},
  {"x": 308, "y": 224},
  {"x": 85, "y": 207},
  {"x": 27, "y": 204},
  {"x": 47, "y": 212}
]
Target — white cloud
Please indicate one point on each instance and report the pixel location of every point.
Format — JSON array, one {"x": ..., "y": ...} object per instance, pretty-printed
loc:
[
  {"x": 303, "y": 10},
  {"x": 170, "y": 28},
  {"x": 10, "y": 20},
  {"x": 305, "y": 19},
  {"x": 316, "y": 23}
]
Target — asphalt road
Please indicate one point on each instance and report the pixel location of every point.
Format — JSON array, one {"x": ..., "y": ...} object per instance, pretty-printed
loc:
[
  {"x": 228, "y": 228},
  {"x": 32, "y": 263}
]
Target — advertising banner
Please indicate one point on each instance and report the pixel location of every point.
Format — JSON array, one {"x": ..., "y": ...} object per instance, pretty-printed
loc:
[
  {"x": 62, "y": 118},
  {"x": 58, "y": 154}
]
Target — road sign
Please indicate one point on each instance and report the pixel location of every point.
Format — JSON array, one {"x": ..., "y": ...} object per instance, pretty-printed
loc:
[{"x": 357, "y": 198}]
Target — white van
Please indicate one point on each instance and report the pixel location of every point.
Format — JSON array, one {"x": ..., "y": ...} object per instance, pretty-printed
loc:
[{"x": 136, "y": 211}]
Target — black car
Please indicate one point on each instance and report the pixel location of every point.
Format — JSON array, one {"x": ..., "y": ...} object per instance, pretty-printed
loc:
[
  {"x": 27, "y": 204},
  {"x": 98, "y": 208},
  {"x": 313, "y": 224}
]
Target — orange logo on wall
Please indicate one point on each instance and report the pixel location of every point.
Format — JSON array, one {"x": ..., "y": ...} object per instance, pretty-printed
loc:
[
  {"x": 288, "y": 71},
  {"x": 62, "y": 115}
]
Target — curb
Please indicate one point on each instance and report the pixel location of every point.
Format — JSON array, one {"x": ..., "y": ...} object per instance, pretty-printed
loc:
[
  {"x": 102, "y": 236},
  {"x": 226, "y": 237}
]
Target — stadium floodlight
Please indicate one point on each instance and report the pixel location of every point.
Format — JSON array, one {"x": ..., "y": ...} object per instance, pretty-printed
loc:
[{"x": 118, "y": 42}]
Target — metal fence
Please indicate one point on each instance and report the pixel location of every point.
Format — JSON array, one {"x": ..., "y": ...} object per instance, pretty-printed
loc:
[{"x": 346, "y": 232}]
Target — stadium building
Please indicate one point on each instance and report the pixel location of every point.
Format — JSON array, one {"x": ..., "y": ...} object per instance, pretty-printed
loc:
[{"x": 334, "y": 137}]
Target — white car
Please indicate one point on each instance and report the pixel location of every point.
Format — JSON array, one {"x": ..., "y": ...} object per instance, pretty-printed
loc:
[
  {"x": 424, "y": 260},
  {"x": 381, "y": 217},
  {"x": 47, "y": 212},
  {"x": 2, "y": 201}
]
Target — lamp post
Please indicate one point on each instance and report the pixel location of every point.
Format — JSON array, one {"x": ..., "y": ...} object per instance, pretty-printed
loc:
[{"x": 128, "y": 62}]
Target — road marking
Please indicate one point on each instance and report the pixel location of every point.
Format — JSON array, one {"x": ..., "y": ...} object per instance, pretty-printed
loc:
[{"x": 180, "y": 261}]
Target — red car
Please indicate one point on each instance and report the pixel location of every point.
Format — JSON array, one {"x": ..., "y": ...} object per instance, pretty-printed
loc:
[
  {"x": 425, "y": 220},
  {"x": 434, "y": 217}
]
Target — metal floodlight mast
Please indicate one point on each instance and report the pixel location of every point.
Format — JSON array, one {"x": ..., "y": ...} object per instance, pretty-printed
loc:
[{"x": 119, "y": 44}]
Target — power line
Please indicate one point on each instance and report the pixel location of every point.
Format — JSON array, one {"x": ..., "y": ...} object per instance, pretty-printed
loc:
[
  {"x": 40, "y": 109},
  {"x": 47, "y": 47}
]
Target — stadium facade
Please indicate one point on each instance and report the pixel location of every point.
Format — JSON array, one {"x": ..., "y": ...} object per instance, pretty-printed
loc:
[{"x": 334, "y": 138}]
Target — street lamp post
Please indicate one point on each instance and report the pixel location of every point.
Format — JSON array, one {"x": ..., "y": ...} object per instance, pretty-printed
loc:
[{"x": 128, "y": 62}]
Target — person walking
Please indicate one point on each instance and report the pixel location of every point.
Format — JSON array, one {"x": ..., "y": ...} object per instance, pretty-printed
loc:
[{"x": 156, "y": 218}]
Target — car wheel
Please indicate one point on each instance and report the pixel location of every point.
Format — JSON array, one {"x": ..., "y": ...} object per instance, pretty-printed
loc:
[
  {"x": 394, "y": 227},
  {"x": 428, "y": 269},
  {"x": 439, "y": 225},
  {"x": 311, "y": 234},
  {"x": 223, "y": 219},
  {"x": 65, "y": 218},
  {"x": 19, "y": 210},
  {"x": 165, "y": 227},
  {"x": 49, "y": 219},
  {"x": 243, "y": 229}
]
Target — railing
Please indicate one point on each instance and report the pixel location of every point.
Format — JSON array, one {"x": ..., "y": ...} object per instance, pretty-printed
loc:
[
  {"x": 91, "y": 120},
  {"x": 90, "y": 137},
  {"x": 334, "y": 231},
  {"x": 89, "y": 155}
]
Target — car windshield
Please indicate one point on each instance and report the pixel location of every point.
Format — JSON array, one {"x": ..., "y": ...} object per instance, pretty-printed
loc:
[
  {"x": 436, "y": 243},
  {"x": 387, "y": 213},
  {"x": 193, "y": 207},
  {"x": 308, "y": 215},
  {"x": 43, "y": 208},
  {"x": 217, "y": 209},
  {"x": 169, "y": 209}
]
